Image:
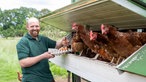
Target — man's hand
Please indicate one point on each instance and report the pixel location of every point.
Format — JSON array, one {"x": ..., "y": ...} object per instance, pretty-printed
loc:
[
  {"x": 29, "y": 61},
  {"x": 48, "y": 55}
]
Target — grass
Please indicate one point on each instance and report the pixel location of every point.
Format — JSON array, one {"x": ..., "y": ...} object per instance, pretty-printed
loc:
[{"x": 9, "y": 62}]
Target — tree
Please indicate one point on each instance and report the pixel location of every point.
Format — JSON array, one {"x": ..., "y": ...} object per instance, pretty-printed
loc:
[
  {"x": 44, "y": 12},
  {"x": 15, "y": 20}
]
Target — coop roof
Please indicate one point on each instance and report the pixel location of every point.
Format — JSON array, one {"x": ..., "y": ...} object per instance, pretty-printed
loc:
[{"x": 124, "y": 14}]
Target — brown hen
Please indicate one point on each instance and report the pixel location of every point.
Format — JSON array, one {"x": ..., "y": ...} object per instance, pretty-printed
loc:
[
  {"x": 94, "y": 46},
  {"x": 118, "y": 42},
  {"x": 105, "y": 46}
]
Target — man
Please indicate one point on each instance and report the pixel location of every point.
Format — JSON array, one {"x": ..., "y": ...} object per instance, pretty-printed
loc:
[{"x": 33, "y": 53}]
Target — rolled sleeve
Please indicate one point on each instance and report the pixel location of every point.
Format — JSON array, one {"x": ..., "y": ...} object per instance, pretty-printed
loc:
[{"x": 22, "y": 50}]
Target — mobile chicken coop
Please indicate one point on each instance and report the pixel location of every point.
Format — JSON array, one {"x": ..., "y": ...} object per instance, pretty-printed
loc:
[{"x": 125, "y": 14}]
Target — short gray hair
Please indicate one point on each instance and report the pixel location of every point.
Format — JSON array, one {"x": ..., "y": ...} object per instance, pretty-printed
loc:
[{"x": 32, "y": 19}]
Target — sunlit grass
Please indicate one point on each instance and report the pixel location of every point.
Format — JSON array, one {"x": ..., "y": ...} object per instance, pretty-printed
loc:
[
  {"x": 9, "y": 62},
  {"x": 57, "y": 71}
]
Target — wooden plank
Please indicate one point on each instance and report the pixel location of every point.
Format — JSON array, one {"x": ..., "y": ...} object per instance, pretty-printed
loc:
[
  {"x": 94, "y": 70},
  {"x": 131, "y": 6},
  {"x": 95, "y": 13},
  {"x": 78, "y": 5}
]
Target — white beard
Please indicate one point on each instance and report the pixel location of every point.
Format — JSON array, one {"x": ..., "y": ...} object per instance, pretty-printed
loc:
[{"x": 34, "y": 33}]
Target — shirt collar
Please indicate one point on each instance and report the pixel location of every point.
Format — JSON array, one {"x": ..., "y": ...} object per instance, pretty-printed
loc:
[{"x": 31, "y": 38}]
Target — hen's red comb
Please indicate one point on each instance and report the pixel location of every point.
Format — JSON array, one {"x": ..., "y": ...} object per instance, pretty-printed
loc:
[
  {"x": 93, "y": 35},
  {"x": 91, "y": 32},
  {"x": 102, "y": 26},
  {"x": 74, "y": 25}
]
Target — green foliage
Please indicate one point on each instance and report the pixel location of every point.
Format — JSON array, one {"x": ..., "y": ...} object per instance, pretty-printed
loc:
[
  {"x": 15, "y": 20},
  {"x": 13, "y": 23},
  {"x": 52, "y": 32},
  {"x": 57, "y": 71},
  {"x": 8, "y": 61},
  {"x": 44, "y": 12}
]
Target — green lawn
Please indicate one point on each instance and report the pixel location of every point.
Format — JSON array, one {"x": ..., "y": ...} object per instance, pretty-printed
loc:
[{"x": 9, "y": 63}]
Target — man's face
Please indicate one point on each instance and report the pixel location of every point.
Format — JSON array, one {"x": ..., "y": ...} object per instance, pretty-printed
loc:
[{"x": 33, "y": 28}]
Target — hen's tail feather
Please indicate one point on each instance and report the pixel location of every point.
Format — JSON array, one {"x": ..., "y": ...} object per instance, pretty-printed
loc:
[{"x": 19, "y": 76}]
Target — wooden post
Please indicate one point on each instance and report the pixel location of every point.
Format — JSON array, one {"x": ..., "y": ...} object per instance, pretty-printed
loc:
[
  {"x": 75, "y": 78},
  {"x": 68, "y": 76}
]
